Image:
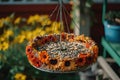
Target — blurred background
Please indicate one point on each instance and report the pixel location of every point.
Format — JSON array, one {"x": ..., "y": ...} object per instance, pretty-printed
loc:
[{"x": 21, "y": 20}]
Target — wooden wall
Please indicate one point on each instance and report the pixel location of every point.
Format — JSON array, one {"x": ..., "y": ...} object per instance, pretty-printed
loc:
[{"x": 28, "y": 9}]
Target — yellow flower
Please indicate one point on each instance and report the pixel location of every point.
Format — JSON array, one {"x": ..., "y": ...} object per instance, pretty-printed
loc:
[
  {"x": 38, "y": 31},
  {"x": 36, "y": 17},
  {"x": 29, "y": 35},
  {"x": 43, "y": 18},
  {"x": 48, "y": 29},
  {"x": 42, "y": 32},
  {"x": 19, "y": 39},
  {"x": 17, "y": 20},
  {"x": 8, "y": 33},
  {"x": 7, "y": 19},
  {"x": 46, "y": 22},
  {"x": 0, "y": 46},
  {"x": 56, "y": 26},
  {"x": 1, "y": 23},
  {"x": 57, "y": 31},
  {"x": 30, "y": 20},
  {"x": 5, "y": 46},
  {"x": 20, "y": 76},
  {"x": 22, "y": 38},
  {"x": 2, "y": 38}
]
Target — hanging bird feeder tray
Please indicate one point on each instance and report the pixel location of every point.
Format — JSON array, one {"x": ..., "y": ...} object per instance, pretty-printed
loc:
[{"x": 63, "y": 52}]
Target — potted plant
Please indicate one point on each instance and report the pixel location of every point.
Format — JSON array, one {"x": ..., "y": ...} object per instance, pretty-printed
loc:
[{"x": 112, "y": 26}]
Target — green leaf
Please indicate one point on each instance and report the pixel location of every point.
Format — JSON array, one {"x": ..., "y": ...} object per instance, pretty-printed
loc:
[{"x": 21, "y": 68}]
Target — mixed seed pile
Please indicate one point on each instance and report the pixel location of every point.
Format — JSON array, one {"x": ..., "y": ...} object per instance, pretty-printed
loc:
[{"x": 66, "y": 49}]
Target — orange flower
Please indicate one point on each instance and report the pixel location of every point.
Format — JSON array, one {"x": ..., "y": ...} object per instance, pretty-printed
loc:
[
  {"x": 36, "y": 62},
  {"x": 81, "y": 61},
  {"x": 68, "y": 65},
  {"x": 29, "y": 50},
  {"x": 53, "y": 63},
  {"x": 80, "y": 38},
  {"x": 45, "y": 39},
  {"x": 52, "y": 38},
  {"x": 89, "y": 59},
  {"x": 38, "y": 43},
  {"x": 71, "y": 36},
  {"x": 39, "y": 40},
  {"x": 38, "y": 37},
  {"x": 71, "y": 40},
  {"x": 63, "y": 36},
  {"x": 34, "y": 45},
  {"x": 95, "y": 51},
  {"x": 87, "y": 45},
  {"x": 42, "y": 42},
  {"x": 30, "y": 57},
  {"x": 43, "y": 56},
  {"x": 57, "y": 37}
]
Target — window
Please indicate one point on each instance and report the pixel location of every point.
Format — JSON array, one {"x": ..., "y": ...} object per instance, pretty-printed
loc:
[{"x": 30, "y": 1}]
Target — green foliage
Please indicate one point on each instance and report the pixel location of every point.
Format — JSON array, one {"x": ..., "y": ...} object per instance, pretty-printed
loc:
[
  {"x": 14, "y": 36},
  {"x": 111, "y": 17}
]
